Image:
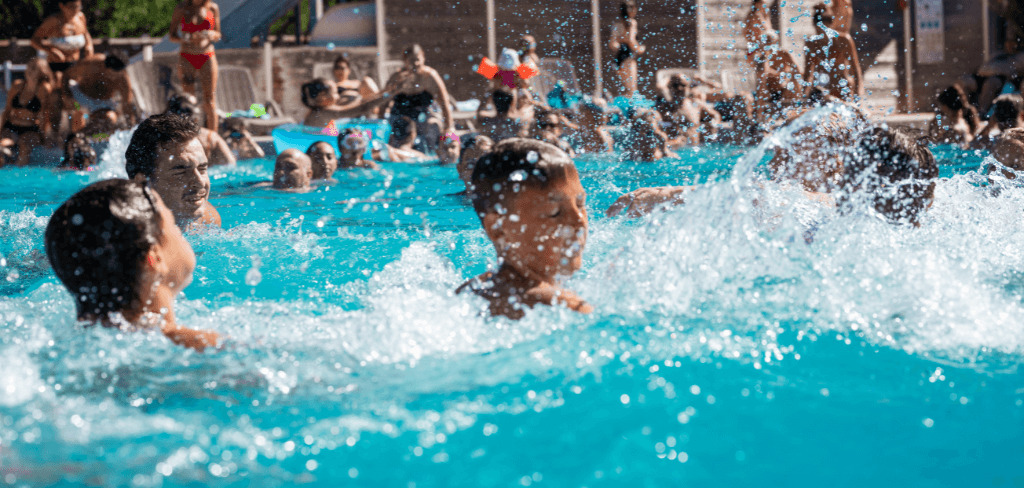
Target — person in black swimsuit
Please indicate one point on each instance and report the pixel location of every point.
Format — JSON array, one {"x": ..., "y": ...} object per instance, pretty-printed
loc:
[
  {"x": 626, "y": 47},
  {"x": 351, "y": 90},
  {"x": 415, "y": 89},
  {"x": 27, "y": 112}
]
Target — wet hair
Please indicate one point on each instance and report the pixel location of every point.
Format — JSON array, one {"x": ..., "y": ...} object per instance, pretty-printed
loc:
[
  {"x": 116, "y": 60},
  {"x": 624, "y": 8},
  {"x": 886, "y": 157},
  {"x": 1006, "y": 109},
  {"x": 183, "y": 105},
  {"x": 313, "y": 89},
  {"x": 78, "y": 153},
  {"x": 96, "y": 242},
  {"x": 502, "y": 101},
  {"x": 403, "y": 129},
  {"x": 955, "y": 99},
  {"x": 412, "y": 50},
  {"x": 152, "y": 135},
  {"x": 515, "y": 161}
]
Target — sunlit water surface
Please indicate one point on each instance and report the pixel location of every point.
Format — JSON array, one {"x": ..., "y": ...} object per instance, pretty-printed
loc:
[{"x": 724, "y": 348}]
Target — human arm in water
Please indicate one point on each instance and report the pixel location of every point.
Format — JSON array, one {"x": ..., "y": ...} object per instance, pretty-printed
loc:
[
  {"x": 191, "y": 338},
  {"x": 638, "y": 203},
  {"x": 444, "y": 100}
]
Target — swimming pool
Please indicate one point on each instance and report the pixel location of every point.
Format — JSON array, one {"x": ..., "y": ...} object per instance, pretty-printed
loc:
[{"x": 723, "y": 349}]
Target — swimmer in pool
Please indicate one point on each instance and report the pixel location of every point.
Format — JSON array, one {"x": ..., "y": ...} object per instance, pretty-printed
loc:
[
  {"x": 590, "y": 134},
  {"x": 1007, "y": 113},
  {"x": 894, "y": 172},
  {"x": 413, "y": 91},
  {"x": 323, "y": 160},
  {"x": 449, "y": 148},
  {"x": 293, "y": 171},
  {"x": 528, "y": 196},
  {"x": 956, "y": 120},
  {"x": 1009, "y": 151},
  {"x": 320, "y": 96},
  {"x": 474, "y": 147},
  {"x": 165, "y": 152},
  {"x": 353, "y": 143},
  {"x": 78, "y": 153},
  {"x": 116, "y": 249}
]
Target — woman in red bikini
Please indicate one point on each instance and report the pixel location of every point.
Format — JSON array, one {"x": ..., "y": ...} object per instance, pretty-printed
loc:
[{"x": 195, "y": 24}]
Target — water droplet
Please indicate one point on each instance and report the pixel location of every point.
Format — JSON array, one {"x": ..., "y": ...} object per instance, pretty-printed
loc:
[{"x": 532, "y": 157}]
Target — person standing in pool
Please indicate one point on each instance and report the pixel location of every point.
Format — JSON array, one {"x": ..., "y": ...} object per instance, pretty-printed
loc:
[
  {"x": 26, "y": 116},
  {"x": 626, "y": 47},
  {"x": 116, "y": 249},
  {"x": 779, "y": 82},
  {"x": 528, "y": 196},
  {"x": 413, "y": 90},
  {"x": 166, "y": 153},
  {"x": 195, "y": 24}
]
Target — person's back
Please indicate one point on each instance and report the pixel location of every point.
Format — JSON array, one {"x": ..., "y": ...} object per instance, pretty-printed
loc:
[{"x": 503, "y": 125}]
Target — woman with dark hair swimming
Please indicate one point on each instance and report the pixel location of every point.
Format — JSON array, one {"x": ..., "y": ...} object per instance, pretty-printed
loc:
[
  {"x": 414, "y": 89},
  {"x": 626, "y": 47},
  {"x": 195, "y": 24}
]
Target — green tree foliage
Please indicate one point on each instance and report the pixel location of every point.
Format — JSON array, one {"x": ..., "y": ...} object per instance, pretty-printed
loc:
[
  {"x": 129, "y": 18},
  {"x": 19, "y": 18},
  {"x": 107, "y": 18}
]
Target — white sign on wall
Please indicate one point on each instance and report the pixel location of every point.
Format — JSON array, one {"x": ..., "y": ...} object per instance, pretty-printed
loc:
[{"x": 929, "y": 38}]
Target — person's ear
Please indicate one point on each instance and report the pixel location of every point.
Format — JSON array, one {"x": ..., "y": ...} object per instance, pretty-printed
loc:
[{"x": 493, "y": 226}]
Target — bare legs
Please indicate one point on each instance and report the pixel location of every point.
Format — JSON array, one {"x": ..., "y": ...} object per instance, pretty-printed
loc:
[
  {"x": 206, "y": 76},
  {"x": 628, "y": 76}
]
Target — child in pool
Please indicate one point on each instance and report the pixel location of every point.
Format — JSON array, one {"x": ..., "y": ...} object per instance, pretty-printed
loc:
[
  {"x": 115, "y": 247},
  {"x": 323, "y": 159},
  {"x": 528, "y": 196},
  {"x": 353, "y": 144}
]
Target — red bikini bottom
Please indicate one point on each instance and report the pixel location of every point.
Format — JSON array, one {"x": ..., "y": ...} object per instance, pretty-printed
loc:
[{"x": 197, "y": 60}]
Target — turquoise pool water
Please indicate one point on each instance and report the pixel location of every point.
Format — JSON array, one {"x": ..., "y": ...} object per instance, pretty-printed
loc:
[{"x": 724, "y": 349}]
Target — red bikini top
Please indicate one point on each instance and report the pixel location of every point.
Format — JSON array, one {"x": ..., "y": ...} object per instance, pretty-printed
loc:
[{"x": 206, "y": 24}]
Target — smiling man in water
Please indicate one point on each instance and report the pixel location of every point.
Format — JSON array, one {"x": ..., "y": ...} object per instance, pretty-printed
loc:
[{"x": 165, "y": 152}]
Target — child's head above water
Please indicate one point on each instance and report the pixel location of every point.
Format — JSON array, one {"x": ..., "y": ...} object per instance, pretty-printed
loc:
[
  {"x": 292, "y": 170},
  {"x": 528, "y": 196},
  {"x": 353, "y": 143},
  {"x": 323, "y": 159},
  {"x": 896, "y": 172},
  {"x": 114, "y": 246}
]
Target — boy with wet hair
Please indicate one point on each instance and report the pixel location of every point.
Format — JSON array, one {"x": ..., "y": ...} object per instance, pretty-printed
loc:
[
  {"x": 895, "y": 172},
  {"x": 528, "y": 196},
  {"x": 166, "y": 153},
  {"x": 116, "y": 249}
]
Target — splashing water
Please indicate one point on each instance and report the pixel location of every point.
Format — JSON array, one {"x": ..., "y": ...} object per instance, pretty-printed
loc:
[{"x": 724, "y": 347}]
